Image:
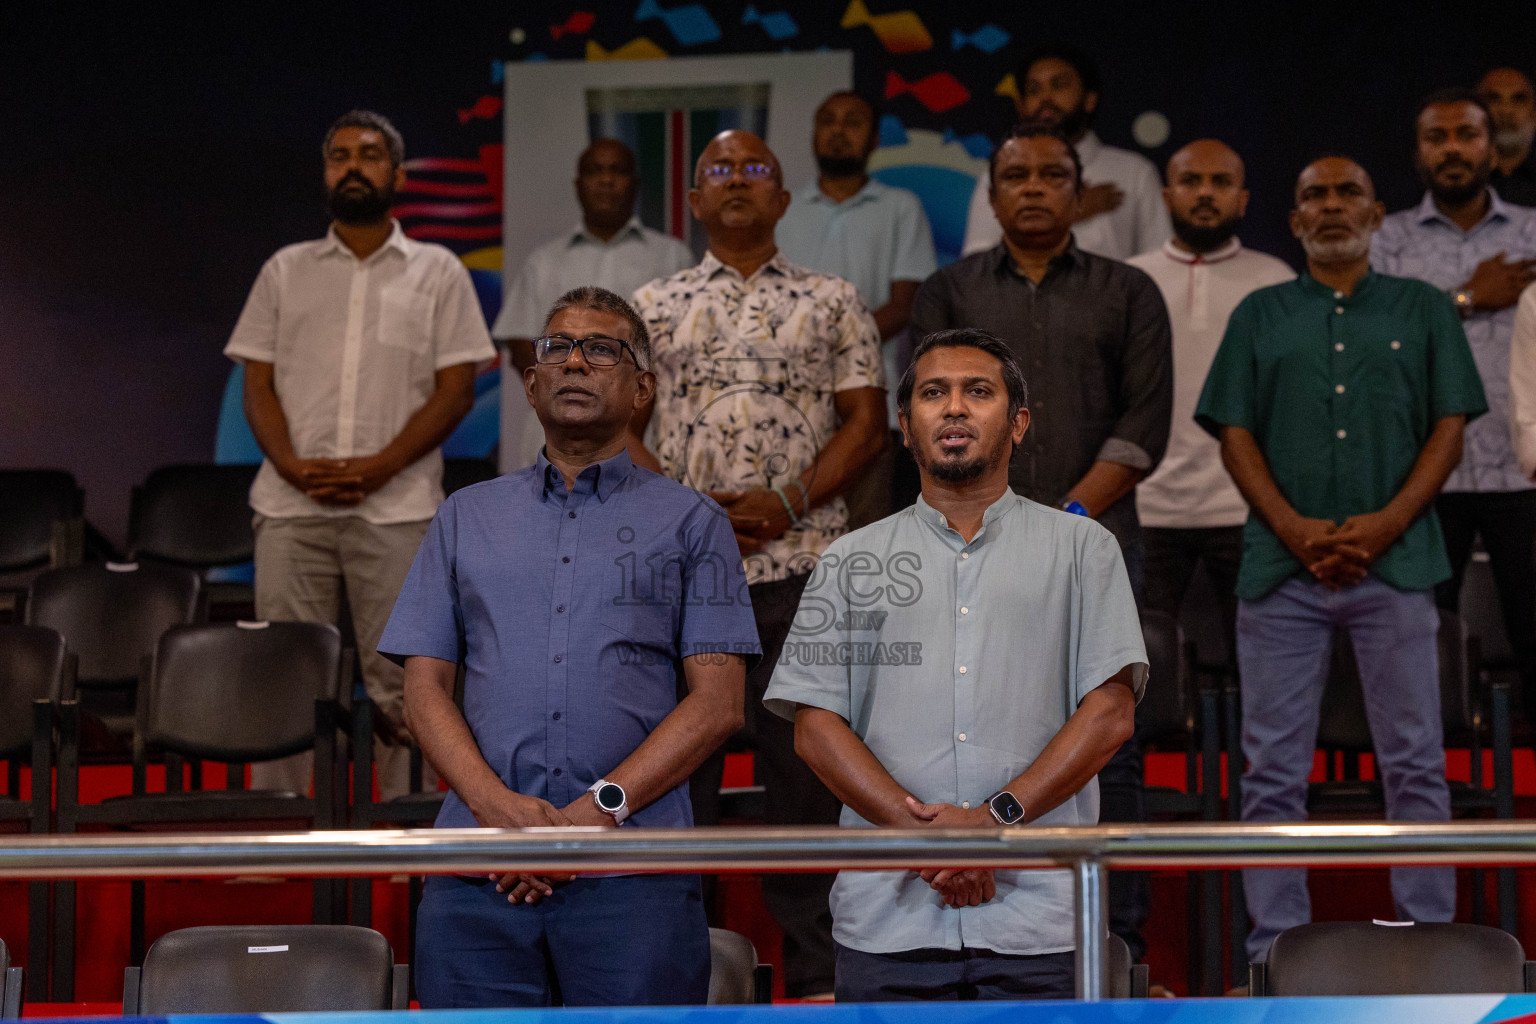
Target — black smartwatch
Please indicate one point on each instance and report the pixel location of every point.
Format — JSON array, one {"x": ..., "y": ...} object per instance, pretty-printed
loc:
[{"x": 1005, "y": 807}]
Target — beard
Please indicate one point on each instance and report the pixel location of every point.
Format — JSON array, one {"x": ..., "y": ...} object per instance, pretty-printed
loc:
[
  {"x": 366, "y": 205},
  {"x": 1203, "y": 238},
  {"x": 954, "y": 470},
  {"x": 1457, "y": 195},
  {"x": 840, "y": 166},
  {"x": 1345, "y": 250},
  {"x": 1514, "y": 141}
]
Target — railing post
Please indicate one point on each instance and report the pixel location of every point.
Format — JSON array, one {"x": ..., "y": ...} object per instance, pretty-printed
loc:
[{"x": 1090, "y": 892}]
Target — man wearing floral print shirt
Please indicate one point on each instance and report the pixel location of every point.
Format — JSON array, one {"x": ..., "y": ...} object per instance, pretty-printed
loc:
[{"x": 770, "y": 398}]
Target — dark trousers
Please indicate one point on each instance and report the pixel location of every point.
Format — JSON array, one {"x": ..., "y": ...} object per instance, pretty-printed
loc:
[
  {"x": 1507, "y": 524},
  {"x": 951, "y": 974},
  {"x": 794, "y": 796},
  {"x": 1171, "y": 558},
  {"x": 638, "y": 940}
]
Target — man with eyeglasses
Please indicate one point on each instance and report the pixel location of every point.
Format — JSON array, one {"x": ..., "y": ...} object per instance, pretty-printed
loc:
[
  {"x": 572, "y": 591},
  {"x": 770, "y": 398}
]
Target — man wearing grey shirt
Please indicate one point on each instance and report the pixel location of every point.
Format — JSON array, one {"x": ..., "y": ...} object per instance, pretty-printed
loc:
[{"x": 972, "y": 661}]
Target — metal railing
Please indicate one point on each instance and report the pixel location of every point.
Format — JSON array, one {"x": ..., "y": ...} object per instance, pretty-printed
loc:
[{"x": 1087, "y": 852}]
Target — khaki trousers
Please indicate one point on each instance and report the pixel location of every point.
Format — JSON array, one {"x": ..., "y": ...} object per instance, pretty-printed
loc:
[{"x": 301, "y": 566}]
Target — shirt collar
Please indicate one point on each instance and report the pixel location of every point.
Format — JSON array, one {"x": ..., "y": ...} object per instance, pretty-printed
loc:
[
  {"x": 1225, "y": 251},
  {"x": 1322, "y": 291},
  {"x": 333, "y": 245},
  {"x": 631, "y": 227},
  {"x": 601, "y": 478},
  {"x": 937, "y": 521},
  {"x": 871, "y": 192},
  {"x": 1069, "y": 257},
  {"x": 1428, "y": 212},
  {"x": 1088, "y": 147},
  {"x": 710, "y": 265}
]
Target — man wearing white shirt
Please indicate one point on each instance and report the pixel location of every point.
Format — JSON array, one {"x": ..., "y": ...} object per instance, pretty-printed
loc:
[
  {"x": 1190, "y": 511},
  {"x": 609, "y": 249},
  {"x": 1120, "y": 212},
  {"x": 359, "y": 352}
]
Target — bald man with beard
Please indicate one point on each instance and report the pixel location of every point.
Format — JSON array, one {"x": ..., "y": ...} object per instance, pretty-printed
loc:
[
  {"x": 1339, "y": 400},
  {"x": 1190, "y": 511}
]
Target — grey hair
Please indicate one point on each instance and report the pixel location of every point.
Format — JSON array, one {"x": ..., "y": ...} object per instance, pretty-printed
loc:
[
  {"x": 602, "y": 300},
  {"x": 374, "y": 122}
]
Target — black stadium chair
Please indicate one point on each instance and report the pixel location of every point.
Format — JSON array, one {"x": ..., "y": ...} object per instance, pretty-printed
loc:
[
  {"x": 1349, "y": 958},
  {"x": 42, "y": 524},
  {"x": 11, "y": 981},
  {"x": 35, "y": 672},
  {"x": 266, "y": 969},
  {"x": 1126, "y": 980},
  {"x": 111, "y": 615},
  {"x": 196, "y": 515},
  {"x": 230, "y": 692},
  {"x": 735, "y": 976}
]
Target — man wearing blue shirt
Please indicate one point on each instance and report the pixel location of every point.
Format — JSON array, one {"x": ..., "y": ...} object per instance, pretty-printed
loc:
[
  {"x": 1464, "y": 239},
  {"x": 572, "y": 591}
]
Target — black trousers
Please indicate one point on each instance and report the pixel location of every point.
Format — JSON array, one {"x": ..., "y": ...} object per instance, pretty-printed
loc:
[
  {"x": 1507, "y": 523},
  {"x": 794, "y": 796},
  {"x": 1172, "y": 556},
  {"x": 951, "y": 974}
]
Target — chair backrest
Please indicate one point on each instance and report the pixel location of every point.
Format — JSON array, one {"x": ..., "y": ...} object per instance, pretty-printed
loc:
[
  {"x": 732, "y": 968},
  {"x": 1117, "y": 956},
  {"x": 197, "y": 515},
  {"x": 1349, "y": 958},
  {"x": 1343, "y": 724},
  {"x": 240, "y": 691},
  {"x": 112, "y": 614},
  {"x": 32, "y": 502},
  {"x": 267, "y": 969},
  {"x": 1167, "y": 708},
  {"x": 11, "y": 982},
  {"x": 33, "y": 663}
]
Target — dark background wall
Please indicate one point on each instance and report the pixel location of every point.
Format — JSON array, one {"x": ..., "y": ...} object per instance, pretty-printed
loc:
[{"x": 152, "y": 157}]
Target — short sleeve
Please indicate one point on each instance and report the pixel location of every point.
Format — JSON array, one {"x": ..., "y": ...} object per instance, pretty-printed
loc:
[
  {"x": 1454, "y": 385},
  {"x": 255, "y": 333},
  {"x": 1229, "y": 396},
  {"x": 459, "y": 333},
  {"x": 717, "y": 614},
  {"x": 914, "y": 242},
  {"x": 520, "y": 316},
  {"x": 427, "y": 619},
  {"x": 857, "y": 360},
  {"x": 822, "y": 683},
  {"x": 1109, "y": 627}
]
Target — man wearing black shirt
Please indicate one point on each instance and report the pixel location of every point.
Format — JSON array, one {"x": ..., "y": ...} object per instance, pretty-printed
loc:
[
  {"x": 1512, "y": 105},
  {"x": 1093, "y": 337}
]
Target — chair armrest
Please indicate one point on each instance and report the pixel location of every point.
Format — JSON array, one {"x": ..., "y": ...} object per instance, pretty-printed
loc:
[
  {"x": 1258, "y": 979},
  {"x": 42, "y": 763},
  {"x": 131, "y": 979},
  {"x": 362, "y": 763},
  {"x": 1141, "y": 980},
  {"x": 11, "y": 984},
  {"x": 762, "y": 983},
  {"x": 400, "y": 995}
]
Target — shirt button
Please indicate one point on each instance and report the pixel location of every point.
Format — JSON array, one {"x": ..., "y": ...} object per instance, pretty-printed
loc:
[
  {"x": 1338, "y": 295},
  {"x": 567, "y": 558},
  {"x": 961, "y": 737},
  {"x": 965, "y": 554},
  {"x": 1396, "y": 345},
  {"x": 559, "y": 656},
  {"x": 965, "y": 611},
  {"x": 1338, "y": 389},
  {"x": 556, "y": 716},
  {"x": 559, "y": 608},
  {"x": 1338, "y": 346},
  {"x": 1341, "y": 435},
  {"x": 965, "y": 805},
  {"x": 571, "y": 514},
  {"x": 1338, "y": 309},
  {"x": 557, "y": 771},
  {"x": 962, "y": 670}
]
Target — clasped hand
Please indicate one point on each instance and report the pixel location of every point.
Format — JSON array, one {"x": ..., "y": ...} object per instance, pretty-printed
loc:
[
  {"x": 518, "y": 811},
  {"x": 1340, "y": 554},
  {"x": 959, "y": 887},
  {"x": 341, "y": 482},
  {"x": 757, "y": 516}
]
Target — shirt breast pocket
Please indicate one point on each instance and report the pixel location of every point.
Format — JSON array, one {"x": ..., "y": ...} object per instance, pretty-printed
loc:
[{"x": 405, "y": 319}]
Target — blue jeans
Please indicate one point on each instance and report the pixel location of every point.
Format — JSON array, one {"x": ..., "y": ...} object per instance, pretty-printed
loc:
[
  {"x": 1283, "y": 644},
  {"x": 636, "y": 940}
]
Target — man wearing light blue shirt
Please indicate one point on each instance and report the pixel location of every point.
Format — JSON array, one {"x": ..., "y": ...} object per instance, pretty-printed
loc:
[
  {"x": 876, "y": 238},
  {"x": 971, "y": 661},
  {"x": 1468, "y": 242}
]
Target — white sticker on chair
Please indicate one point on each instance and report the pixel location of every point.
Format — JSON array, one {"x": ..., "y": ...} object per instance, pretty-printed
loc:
[
  {"x": 122, "y": 567},
  {"x": 252, "y": 624},
  {"x": 266, "y": 949},
  {"x": 1392, "y": 924}
]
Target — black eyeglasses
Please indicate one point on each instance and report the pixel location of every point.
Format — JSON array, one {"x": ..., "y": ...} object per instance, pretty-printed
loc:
[{"x": 598, "y": 350}]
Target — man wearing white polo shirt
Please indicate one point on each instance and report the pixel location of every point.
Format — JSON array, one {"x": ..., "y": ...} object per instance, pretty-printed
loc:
[{"x": 1190, "y": 511}]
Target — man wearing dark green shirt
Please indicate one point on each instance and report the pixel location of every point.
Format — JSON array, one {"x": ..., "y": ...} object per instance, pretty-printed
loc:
[{"x": 1339, "y": 400}]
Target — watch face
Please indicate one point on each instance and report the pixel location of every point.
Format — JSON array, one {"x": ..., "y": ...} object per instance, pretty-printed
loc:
[
  {"x": 1007, "y": 807},
  {"x": 610, "y": 797}
]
